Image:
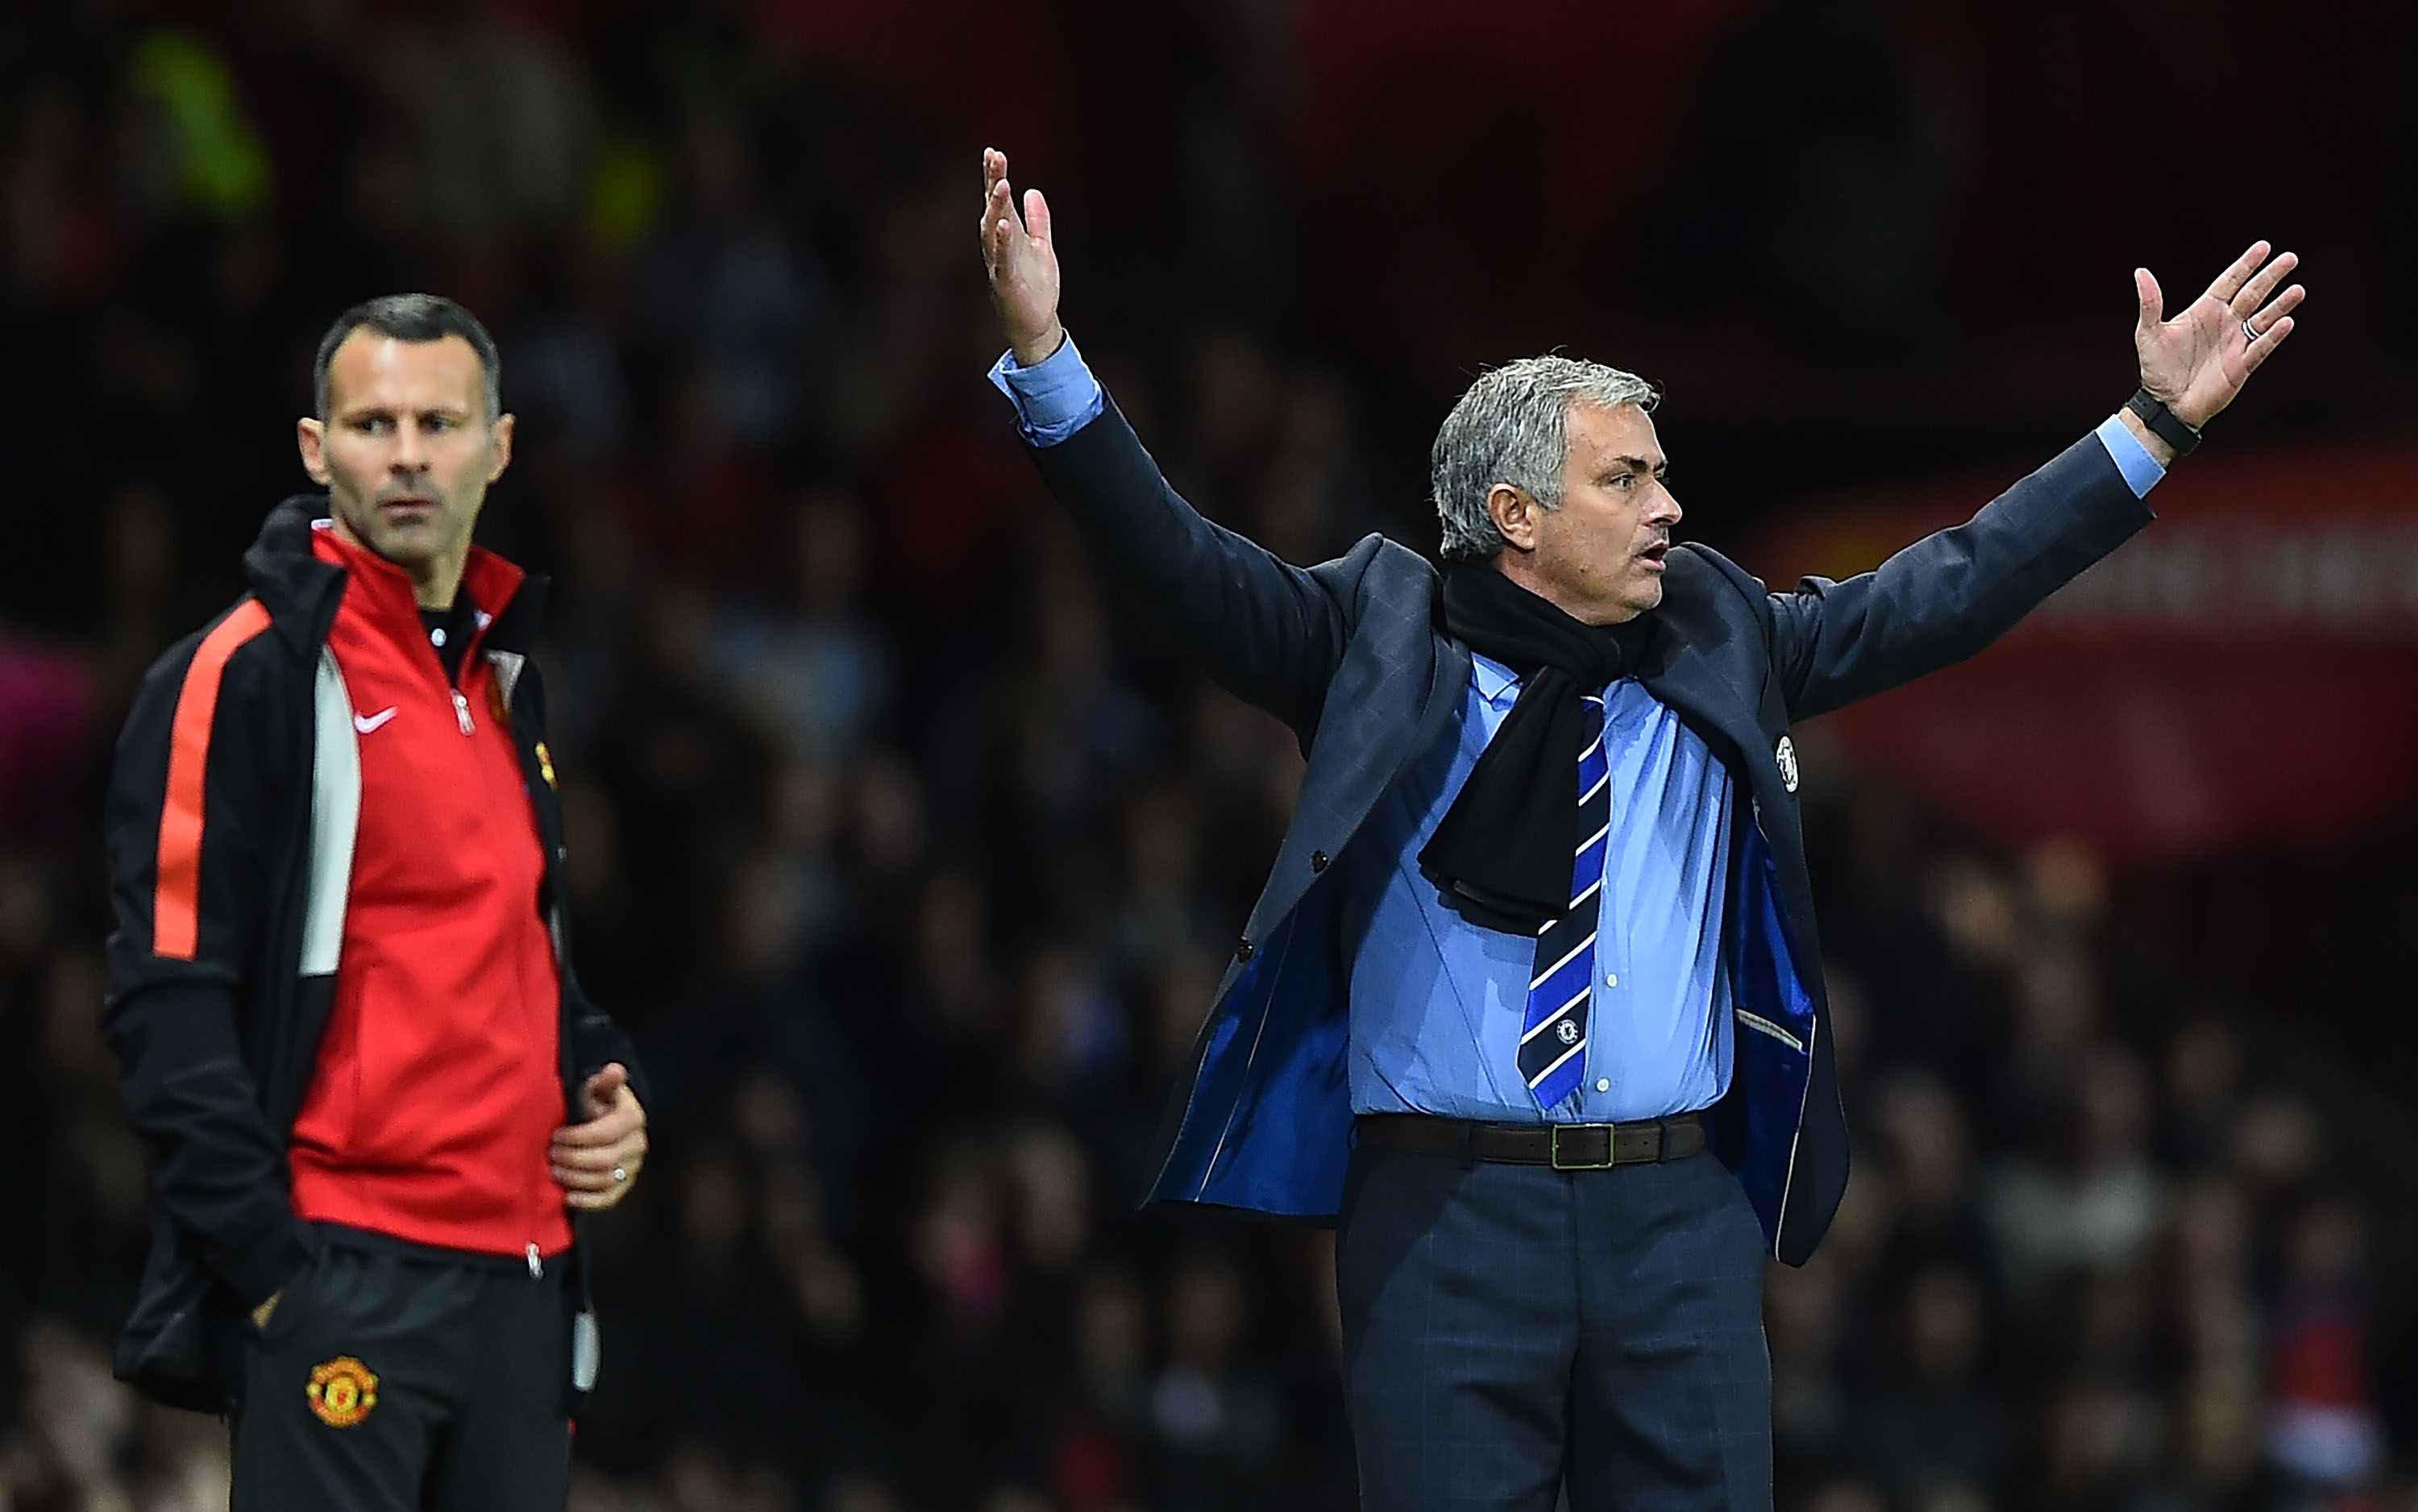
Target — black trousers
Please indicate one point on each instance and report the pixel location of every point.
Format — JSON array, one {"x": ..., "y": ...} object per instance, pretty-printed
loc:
[
  {"x": 394, "y": 1384},
  {"x": 1509, "y": 1331}
]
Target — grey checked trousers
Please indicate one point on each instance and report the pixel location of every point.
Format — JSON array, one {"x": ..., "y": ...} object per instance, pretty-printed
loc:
[{"x": 1509, "y": 1331}]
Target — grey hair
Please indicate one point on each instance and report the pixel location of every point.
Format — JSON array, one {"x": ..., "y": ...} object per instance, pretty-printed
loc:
[{"x": 1510, "y": 428}]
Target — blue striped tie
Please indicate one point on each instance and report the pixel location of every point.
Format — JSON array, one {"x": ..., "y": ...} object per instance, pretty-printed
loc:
[{"x": 1553, "y": 1032}]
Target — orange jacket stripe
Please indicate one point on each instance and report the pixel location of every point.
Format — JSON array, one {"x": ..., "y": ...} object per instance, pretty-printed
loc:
[{"x": 175, "y": 923}]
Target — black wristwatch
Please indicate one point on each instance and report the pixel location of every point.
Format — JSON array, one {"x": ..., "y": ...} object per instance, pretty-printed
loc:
[{"x": 2162, "y": 422}]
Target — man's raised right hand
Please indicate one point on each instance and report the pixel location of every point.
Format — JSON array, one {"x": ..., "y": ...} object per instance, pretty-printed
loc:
[{"x": 1022, "y": 264}]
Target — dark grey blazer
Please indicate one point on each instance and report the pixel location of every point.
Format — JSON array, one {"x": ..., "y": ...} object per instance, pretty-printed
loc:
[{"x": 1351, "y": 655}]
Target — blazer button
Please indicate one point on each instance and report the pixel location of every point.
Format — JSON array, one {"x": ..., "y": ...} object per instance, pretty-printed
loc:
[
  {"x": 1318, "y": 860},
  {"x": 1242, "y": 951}
]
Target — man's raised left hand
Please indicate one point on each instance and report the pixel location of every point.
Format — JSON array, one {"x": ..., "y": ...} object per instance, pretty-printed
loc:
[{"x": 2196, "y": 363}]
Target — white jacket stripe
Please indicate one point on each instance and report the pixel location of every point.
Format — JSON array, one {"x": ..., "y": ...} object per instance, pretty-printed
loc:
[{"x": 335, "y": 818}]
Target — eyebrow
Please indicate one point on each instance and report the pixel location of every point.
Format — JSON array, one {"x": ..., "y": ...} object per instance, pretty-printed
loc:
[
  {"x": 365, "y": 411},
  {"x": 1642, "y": 464}
]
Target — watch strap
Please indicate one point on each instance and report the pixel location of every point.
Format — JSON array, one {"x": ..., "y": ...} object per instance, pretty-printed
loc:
[{"x": 2162, "y": 422}]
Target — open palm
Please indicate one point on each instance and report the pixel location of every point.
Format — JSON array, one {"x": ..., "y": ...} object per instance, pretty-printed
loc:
[{"x": 2196, "y": 363}]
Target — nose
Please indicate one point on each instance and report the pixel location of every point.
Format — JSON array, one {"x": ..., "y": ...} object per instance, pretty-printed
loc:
[
  {"x": 410, "y": 454},
  {"x": 1666, "y": 505}
]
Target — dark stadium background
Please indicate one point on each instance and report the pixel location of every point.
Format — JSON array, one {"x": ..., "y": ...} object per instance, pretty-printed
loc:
[{"x": 912, "y": 864}]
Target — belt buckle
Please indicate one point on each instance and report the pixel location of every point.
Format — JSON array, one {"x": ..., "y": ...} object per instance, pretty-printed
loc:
[{"x": 1554, "y": 1148}]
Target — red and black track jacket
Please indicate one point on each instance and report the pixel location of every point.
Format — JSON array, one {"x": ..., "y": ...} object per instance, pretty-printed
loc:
[{"x": 230, "y": 901}]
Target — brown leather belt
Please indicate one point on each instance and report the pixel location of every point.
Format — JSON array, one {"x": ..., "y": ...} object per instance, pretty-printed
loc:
[{"x": 1562, "y": 1146}]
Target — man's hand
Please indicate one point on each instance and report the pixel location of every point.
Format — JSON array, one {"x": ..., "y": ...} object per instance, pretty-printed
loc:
[
  {"x": 1022, "y": 264},
  {"x": 596, "y": 1162},
  {"x": 2196, "y": 363}
]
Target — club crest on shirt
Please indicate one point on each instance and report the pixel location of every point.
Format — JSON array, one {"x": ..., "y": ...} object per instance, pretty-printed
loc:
[
  {"x": 342, "y": 1391},
  {"x": 1785, "y": 753}
]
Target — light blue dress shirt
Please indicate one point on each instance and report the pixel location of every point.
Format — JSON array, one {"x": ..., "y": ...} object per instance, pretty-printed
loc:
[{"x": 1437, "y": 1001}]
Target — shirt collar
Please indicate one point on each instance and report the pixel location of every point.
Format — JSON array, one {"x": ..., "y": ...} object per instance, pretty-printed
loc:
[
  {"x": 1496, "y": 683},
  {"x": 1500, "y": 686}
]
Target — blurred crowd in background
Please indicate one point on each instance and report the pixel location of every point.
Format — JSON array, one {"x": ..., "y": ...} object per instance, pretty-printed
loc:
[{"x": 912, "y": 868}]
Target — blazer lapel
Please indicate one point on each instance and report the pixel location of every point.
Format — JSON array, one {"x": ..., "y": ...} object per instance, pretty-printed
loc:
[{"x": 1678, "y": 669}]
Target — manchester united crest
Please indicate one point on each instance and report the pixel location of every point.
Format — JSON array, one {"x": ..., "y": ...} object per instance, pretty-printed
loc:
[{"x": 342, "y": 1391}]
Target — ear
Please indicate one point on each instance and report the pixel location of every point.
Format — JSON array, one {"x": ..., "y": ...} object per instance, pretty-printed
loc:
[
  {"x": 499, "y": 448},
  {"x": 311, "y": 438},
  {"x": 1515, "y": 514}
]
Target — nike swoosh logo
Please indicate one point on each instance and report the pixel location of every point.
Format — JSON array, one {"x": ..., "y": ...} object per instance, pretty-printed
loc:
[{"x": 366, "y": 722}]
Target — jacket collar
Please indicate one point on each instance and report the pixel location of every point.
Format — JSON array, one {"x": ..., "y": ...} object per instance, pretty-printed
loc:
[
  {"x": 300, "y": 591},
  {"x": 1678, "y": 664}
]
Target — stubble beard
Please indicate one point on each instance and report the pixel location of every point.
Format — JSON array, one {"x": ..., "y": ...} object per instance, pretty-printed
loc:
[{"x": 412, "y": 546}]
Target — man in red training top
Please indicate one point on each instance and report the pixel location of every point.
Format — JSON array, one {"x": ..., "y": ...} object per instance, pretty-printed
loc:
[{"x": 373, "y": 1098}]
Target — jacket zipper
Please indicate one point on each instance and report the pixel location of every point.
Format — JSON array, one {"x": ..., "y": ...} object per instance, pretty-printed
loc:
[{"x": 461, "y": 710}]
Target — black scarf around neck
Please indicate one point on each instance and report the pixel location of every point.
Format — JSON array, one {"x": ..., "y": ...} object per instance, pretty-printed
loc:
[{"x": 1503, "y": 853}]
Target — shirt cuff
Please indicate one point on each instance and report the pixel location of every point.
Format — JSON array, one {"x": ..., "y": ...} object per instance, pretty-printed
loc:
[
  {"x": 2141, "y": 470},
  {"x": 1054, "y": 397}
]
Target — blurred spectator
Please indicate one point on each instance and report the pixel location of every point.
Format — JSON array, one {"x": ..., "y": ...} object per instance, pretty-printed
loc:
[
  {"x": 816, "y": 673},
  {"x": 2084, "y": 1199},
  {"x": 2324, "y": 1435},
  {"x": 1935, "y": 1431},
  {"x": 1216, "y": 1416}
]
